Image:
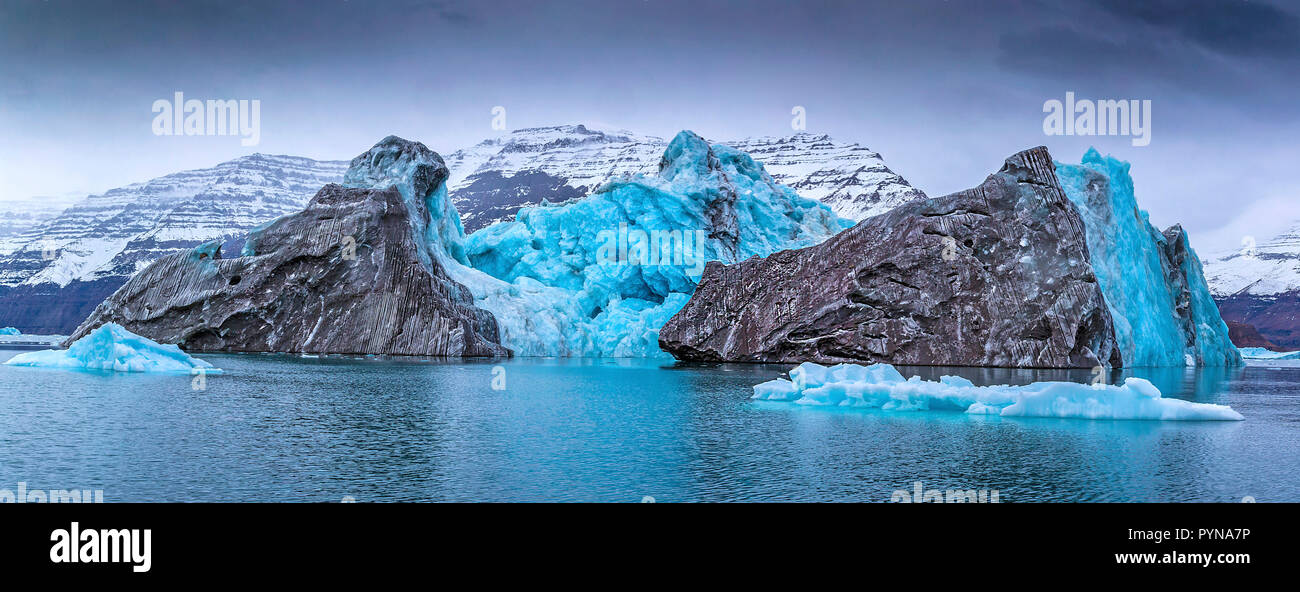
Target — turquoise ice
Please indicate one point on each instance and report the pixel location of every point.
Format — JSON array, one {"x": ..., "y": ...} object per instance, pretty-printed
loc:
[
  {"x": 601, "y": 275},
  {"x": 1127, "y": 255},
  {"x": 111, "y": 347},
  {"x": 881, "y": 386}
]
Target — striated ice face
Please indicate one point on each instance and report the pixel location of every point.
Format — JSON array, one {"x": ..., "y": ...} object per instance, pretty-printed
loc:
[
  {"x": 1134, "y": 271},
  {"x": 881, "y": 386}
]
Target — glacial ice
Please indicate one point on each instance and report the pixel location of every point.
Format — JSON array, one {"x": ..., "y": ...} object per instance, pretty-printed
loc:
[
  {"x": 1126, "y": 255},
  {"x": 111, "y": 347},
  {"x": 1261, "y": 353},
  {"x": 10, "y": 331},
  {"x": 881, "y": 386},
  {"x": 599, "y": 276},
  {"x": 414, "y": 170}
]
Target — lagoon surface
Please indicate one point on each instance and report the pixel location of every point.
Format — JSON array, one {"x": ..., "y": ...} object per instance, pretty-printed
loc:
[{"x": 284, "y": 428}]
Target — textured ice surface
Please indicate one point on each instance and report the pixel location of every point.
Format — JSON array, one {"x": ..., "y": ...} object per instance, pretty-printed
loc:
[
  {"x": 562, "y": 280},
  {"x": 881, "y": 386},
  {"x": 9, "y": 331},
  {"x": 1126, "y": 253},
  {"x": 111, "y": 347},
  {"x": 1260, "y": 353},
  {"x": 419, "y": 174}
]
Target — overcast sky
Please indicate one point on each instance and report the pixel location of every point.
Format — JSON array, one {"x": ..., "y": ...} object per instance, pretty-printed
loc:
[{"x": 944, "y": 90}]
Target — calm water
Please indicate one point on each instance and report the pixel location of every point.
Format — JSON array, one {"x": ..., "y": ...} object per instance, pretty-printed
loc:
[{"x": 280, "y": 428}]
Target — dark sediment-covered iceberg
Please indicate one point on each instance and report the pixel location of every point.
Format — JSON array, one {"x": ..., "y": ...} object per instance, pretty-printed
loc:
[
  {"x": 361, "y": 270},
  {"x": 997, "y": 275},
  {"x": 1030, "y": 269}
]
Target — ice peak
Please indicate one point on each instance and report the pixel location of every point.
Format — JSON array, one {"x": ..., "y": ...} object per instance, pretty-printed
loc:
[
  {"x": 411, "y": 166},
  {"x": 420, "y": 175},
  {"x": 687, "y": 151},
  {"x": 1093, "y": 157}
]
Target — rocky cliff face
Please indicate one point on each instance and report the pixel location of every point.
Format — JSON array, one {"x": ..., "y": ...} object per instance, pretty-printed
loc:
[
  {"x": 1244, "y": 335},
  {"x": 352, "y": 273},
  {"x": 998, "y": 275}
]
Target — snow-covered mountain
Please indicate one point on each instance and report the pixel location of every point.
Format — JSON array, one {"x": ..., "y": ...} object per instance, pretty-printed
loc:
[
  {"x": 126, "y": 228},
  {"x": 849, "y": 178},
  {"x": 493, "y": 179},
  {"x": 68, "y": 262},
  {"x": 1259, "y": 285},
  {"x": 1262, "y": 269},
  {"x": 20, "y": 218},
  {"x": 55, "y": 269}
]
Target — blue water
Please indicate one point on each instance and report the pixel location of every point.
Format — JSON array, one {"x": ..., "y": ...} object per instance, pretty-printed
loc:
[{"x": 281, "y": 428}]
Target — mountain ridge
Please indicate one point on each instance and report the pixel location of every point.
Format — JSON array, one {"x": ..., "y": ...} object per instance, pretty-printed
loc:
[{"x": 64, "y": 265}]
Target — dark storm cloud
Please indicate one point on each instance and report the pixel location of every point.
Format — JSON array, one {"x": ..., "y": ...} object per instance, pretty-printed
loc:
[
  {"x": 1242, "y": 56},
  {"x": 945, "y": 89},
  {"x": 1234, "y": 28}
]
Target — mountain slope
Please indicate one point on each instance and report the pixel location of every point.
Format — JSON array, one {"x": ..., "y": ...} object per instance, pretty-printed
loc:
[
  {"x": 68, "y": 264},
  {"x": 20, "y": 219},
  {"x": 493, "y": 179},
  {"x": 63, "y": 266},
  {"x": 1260, "y": 286}
]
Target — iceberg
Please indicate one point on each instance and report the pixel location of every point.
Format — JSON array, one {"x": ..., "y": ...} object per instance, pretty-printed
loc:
[
  {"x": 1261, "y": 353},
  {"x": 1153, "y": 282},
  {"x": 420, "y": 176},
  {"x": 10, "y": 331},
  {"x": 881, "y": 386},
  {"x": 111, "y": 347},
  {"x": 599, "y": 276}
]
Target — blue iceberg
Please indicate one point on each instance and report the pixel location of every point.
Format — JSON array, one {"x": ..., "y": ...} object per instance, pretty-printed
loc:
[
  {"x": 10, "y": 331},
  {"x": 420, "y": 175},
  {"x": 881, "y": 386},
  {"x": 599, "y": 276},
  {"x": 1153, "y": 282},
  {"x": 111, "y": 347}
]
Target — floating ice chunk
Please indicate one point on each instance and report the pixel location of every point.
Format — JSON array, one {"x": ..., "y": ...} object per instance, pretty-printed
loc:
[
  {"x": 9, "y": 331},
  {"x": 111, "y": 347},
  {"x": 1260, "y": 353},
  {"x": 881, "y": 386}
]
